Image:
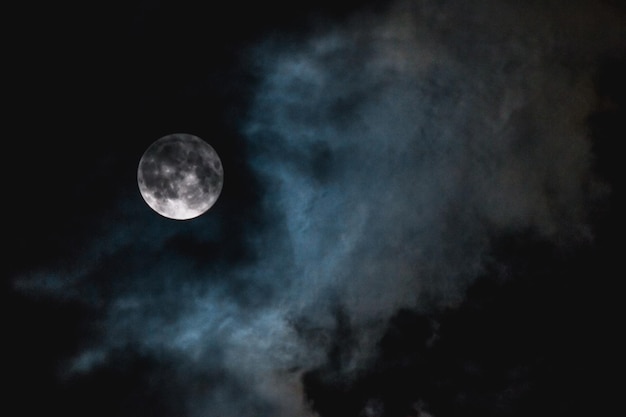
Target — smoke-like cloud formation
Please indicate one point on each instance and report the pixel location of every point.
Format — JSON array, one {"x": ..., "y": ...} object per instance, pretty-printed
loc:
[
  {"x": 399, "y": 146},
  {"x": 392, "y": 149}
]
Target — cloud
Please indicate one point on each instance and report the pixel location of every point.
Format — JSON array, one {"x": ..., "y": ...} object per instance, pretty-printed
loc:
[
  {"x": 391, "y": 151},
  {"x": 422, "y": 134},
  {"x": 400, "y": 147}
]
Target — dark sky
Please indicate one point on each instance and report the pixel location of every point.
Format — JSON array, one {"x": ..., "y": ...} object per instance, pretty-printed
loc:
[{"x": 419, "y": 215}]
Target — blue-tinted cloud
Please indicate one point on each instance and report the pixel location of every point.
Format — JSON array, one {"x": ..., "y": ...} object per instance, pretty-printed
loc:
[{"x": 390, "y": 151}]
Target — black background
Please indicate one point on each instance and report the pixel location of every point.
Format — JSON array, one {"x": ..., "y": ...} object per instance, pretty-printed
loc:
[{"x": 91, "y": 84}]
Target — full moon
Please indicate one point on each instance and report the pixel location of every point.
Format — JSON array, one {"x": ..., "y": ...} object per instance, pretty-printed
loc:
[{"x": 180, "y": 176}]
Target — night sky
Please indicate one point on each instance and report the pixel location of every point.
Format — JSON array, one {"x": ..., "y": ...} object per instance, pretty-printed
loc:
[{"x": 420, "y": 216}]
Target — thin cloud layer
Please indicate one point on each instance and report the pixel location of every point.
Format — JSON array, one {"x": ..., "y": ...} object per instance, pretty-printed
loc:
[{"x": 392, "y": 150}]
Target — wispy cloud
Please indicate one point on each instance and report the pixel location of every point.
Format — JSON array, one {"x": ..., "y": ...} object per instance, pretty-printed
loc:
[{"x": 391, "y": 151}]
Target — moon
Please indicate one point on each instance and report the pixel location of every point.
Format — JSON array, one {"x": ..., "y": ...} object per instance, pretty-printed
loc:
[{"x": 180, "y": 176}]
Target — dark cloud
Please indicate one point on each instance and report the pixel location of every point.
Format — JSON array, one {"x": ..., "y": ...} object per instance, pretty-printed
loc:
[
  {"x": 416, "y": 197},
  {"x": 508, "y": 349}
]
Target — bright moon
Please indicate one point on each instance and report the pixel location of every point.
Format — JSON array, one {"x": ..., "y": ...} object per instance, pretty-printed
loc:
[{"x": 180, "y": 176}]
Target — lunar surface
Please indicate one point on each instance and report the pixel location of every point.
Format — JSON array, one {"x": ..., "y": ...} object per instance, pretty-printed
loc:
[{"x": 180, "y": 176}]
